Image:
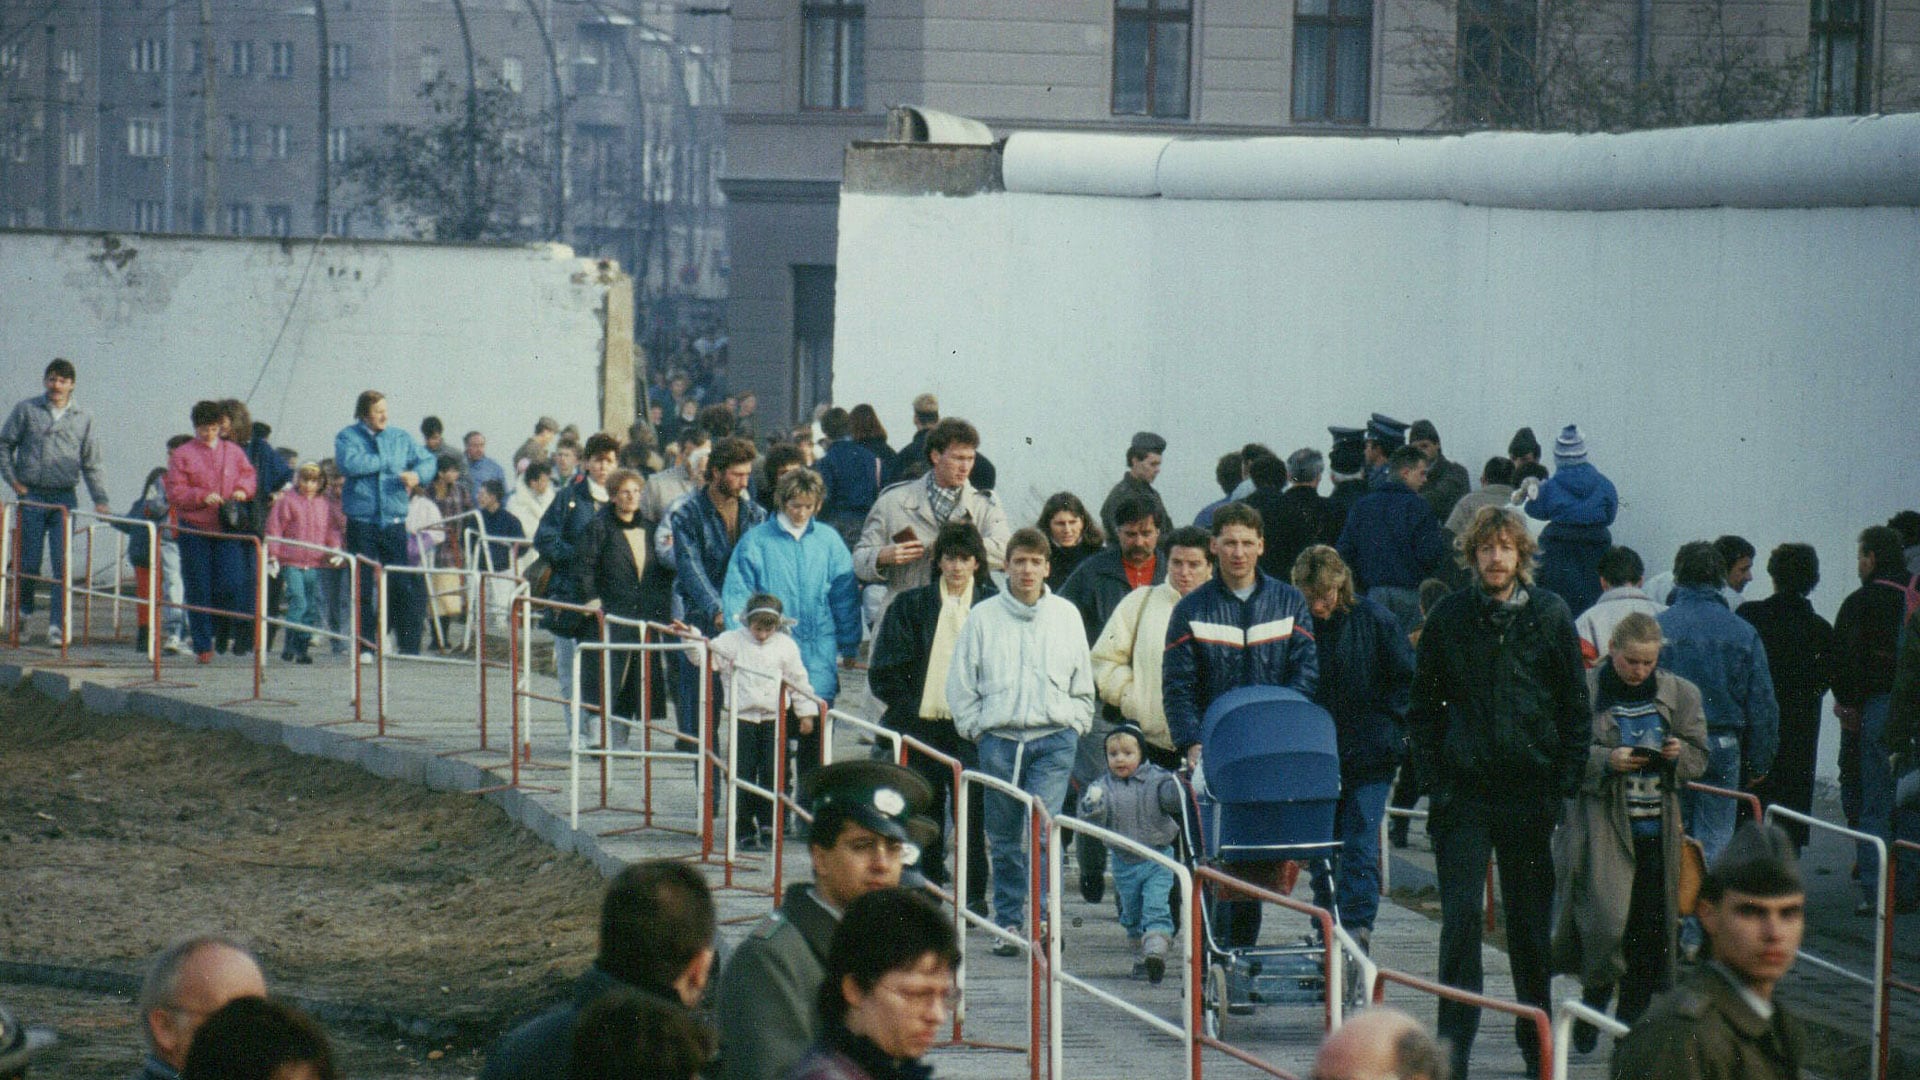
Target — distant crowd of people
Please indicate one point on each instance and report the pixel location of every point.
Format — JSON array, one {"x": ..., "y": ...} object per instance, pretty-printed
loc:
[{"x": 1548, "y": 700}]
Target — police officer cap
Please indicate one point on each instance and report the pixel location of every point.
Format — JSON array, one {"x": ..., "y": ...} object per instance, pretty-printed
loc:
[
  {"x": 1343, "y": 436},
  {"x": 880, "y": 795},
  {"x": 1386, "y": 430},
  {"x": 1758, "y": 861}
]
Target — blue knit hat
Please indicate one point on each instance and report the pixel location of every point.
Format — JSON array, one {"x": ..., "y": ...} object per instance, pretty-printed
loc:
[{"x": 1570, "y": 448}]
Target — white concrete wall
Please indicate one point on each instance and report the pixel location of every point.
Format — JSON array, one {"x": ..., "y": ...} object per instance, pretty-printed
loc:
[
  {"x": 1753, "y": 371},
  {"x": 485, "y": 338}
]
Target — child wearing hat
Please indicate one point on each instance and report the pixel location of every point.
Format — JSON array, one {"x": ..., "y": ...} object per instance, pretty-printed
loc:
[
  {"x": 1140, "y": 801},
  {"x": 753, "y": 659},
  {"x": 304, "y": 514}
]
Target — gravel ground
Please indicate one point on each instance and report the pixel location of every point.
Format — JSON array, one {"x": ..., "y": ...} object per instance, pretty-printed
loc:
[{"x": 419, "y": 923}]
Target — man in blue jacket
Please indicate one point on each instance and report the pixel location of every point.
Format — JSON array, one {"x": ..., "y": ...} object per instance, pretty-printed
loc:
[
  {"x": 1243, "y": 628},
  {"x": 1392, "y": 541},
  {"x": 705, "y": 529},
  {"x": 1721, "y": 653},
  {"x": 382, "y": 466}
]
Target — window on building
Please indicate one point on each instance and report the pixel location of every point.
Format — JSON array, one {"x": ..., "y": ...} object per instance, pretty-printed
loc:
[
  {"x": 13, "y": 61},
  {"x": 1837, "y": 54},
  {"x": 1152, "y": 51},
  {"x": 279, "y": 138},
  {"x": 280, "y": 221},
  {"x": 593, "y": 66},
  {"x": 143, "y": 138},
  {"x": 148, "y": 56},
  {"x": 76, "y": 148},
  {"x": 833, "y": 55},
  {"x": 340, "y": 61},
  {"x": 430, "y": 66},
  {"x": 280, "y": 60},
  {"x": 238, "y": 219},
  {"x": 72, "y": 65},
  {"x": 146, "y": 215},
  {"x": 340, "y": 223},
  {"x": 1332, "y": 47},
  {"x": 239, "y": 139},
  {"x": 196, "y": 55},
  {"x": 813, "y": 290},
  {"x": 14, "y": 218},
  {"x": 513, "y": 74},
  {"x": 1496, "y": 55},
  {"x": 15, "y": 144},
  {"x": 339, "y": 145},
  {"x": 240, "y": 59}
]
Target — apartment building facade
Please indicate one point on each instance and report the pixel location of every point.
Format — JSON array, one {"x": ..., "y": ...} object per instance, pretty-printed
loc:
[{"x": 811, "y": 76}]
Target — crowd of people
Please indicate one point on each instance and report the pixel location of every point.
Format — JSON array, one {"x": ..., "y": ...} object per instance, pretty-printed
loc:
[{"x": 1491, "y": 649}]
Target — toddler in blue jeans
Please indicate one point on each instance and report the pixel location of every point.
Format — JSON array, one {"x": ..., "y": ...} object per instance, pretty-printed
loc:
[{"x": 1140, "y": 801}]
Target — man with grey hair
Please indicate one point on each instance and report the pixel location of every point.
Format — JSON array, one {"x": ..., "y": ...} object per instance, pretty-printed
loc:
[
  {"x": 1296, "y": 518},
  {"x": 189, "y": 981},
  {"x": 1378, "y": 1043}
]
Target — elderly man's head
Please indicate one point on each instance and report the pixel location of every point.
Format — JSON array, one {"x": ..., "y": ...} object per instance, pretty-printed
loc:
[
  {"x": 189, "y": 982},
  {"x": 1380, "y": 1044}
]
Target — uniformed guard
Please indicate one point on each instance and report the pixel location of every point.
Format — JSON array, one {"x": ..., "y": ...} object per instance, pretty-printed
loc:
[
  {"x": 864, "y": 814},
  {"x": 1384, "y": 436},
  {"x": 1722, "y": 1023},
  {"x": 1347, "y": 463}
]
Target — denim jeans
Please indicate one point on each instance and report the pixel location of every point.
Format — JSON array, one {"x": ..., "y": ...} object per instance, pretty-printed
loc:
[
  {"x": 172, "y": 619},
  {"x": 1710, "y": 818},
  {"x": 1357, "y": 886},
  {"x": 214, "y": 573},
  {"x": 406, "y": 599},
  {"x": 1142, "y": 888},
  {"x": 1039, "y": 767},
  {"x": 42, "y": 529},
  {"x": 1876, "y": 788},
  {"x": 301, "y": 587}
]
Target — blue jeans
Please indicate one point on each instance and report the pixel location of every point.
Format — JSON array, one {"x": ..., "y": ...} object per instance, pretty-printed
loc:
[
  {"x": 172, "y": 619},
  {"x": 1039, "y": 767},
  {"x": 215, "y": 574},
  {"x": 1357, "y": 888},
  {"x": 42, "y": 529},
  {"x": 406, "y": 593},
  {"x": 301, "y": 587},
  {"x": 1876, "y": 788},
  {"x": 1142, "y": 886},
  {"x": 1710, "y": 818}
]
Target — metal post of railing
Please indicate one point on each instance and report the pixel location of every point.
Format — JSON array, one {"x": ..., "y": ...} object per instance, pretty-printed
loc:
[
  {"x": 380, "y": 619},
  {"x": 66, "y": 583},
  {"x": 1565, "y": 1013},
  {"x": 8, "y": 585},
  {"x": 1542, "y": 1024}
]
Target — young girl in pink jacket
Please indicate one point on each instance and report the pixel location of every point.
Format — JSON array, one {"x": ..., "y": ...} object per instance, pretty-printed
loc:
[{"x": 307, "y": 515}]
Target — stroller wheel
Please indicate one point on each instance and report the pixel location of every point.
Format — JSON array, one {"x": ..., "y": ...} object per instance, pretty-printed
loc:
[{"x": 1216, "y": 1011}]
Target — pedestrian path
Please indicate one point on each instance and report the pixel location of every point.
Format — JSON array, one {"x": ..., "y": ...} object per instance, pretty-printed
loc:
[{"x": 433, "y": 736}]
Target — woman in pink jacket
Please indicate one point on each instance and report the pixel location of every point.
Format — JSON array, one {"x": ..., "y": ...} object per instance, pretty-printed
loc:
[
  {"x": 304, "y": 514},
  {"x": 201, "y": 475}
]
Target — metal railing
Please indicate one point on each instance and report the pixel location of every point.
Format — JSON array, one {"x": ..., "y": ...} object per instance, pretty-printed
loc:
[
  {"x": 1543, "y": 1025},
  {"x": 606, "y": 752},
  {"x": 1565, "y": 1013},
  {"x": 1882, "y": 932}
]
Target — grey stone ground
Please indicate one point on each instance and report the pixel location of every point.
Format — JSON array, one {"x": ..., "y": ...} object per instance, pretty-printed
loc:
[{"x": 433, "y": 736}]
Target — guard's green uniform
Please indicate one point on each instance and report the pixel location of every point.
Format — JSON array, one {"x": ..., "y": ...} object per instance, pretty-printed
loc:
[
  {"x": 1704, "y": 1030},
  {"x": 770, "y": 992}
]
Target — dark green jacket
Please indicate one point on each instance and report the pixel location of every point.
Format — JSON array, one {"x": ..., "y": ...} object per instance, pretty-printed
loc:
[
  {"x": 1704, "y": 1030},
  {"x": 769, "y": 993}
]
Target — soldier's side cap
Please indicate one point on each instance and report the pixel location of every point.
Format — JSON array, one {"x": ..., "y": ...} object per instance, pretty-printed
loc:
[
  {"x": 880, "y": 795},
  {"x": 1758, "y": 861}
]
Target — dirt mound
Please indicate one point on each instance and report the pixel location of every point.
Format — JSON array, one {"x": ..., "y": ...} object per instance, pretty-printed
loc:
[{"x": 120, "y": 833}]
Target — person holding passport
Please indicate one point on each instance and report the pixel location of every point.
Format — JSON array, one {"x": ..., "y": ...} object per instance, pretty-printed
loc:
[
  {"x": 894, "y": 541},
  {"x": 1617, "y": 853}
]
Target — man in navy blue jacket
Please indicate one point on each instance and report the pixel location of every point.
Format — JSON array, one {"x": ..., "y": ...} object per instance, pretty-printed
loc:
[
  {"x": 1243, "y": 628},
  {"x": 1392, "y": 540}
]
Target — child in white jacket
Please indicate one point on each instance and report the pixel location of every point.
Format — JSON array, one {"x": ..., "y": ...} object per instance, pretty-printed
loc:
[{"x": 752, "y": 662}]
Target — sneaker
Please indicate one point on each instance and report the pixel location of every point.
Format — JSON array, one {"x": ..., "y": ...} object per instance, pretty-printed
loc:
[
  {"x": 1002, "y": 947},
  {"x": 56, "y": 636},
  {"x": 175, "y": 646},
  {"x": 1155, "y": 949},
  {"x": 366, "y": 657}
]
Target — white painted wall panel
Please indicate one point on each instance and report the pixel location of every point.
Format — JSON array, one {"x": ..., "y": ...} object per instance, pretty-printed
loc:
[{"x": 485, "y": 338}]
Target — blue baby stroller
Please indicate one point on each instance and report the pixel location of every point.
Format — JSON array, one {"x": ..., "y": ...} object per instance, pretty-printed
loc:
[{"x": 1269, "y": 786}]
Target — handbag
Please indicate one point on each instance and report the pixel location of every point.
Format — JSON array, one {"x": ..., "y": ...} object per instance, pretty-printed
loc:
[
  {"x": 236, "y": 516},
  {"x": 1693, "y": 869},
  {"x": 539, "y": 577}
]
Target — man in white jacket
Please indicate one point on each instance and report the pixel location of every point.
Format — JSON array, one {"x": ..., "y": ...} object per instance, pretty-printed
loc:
[
  {"x": 1126, "y": 659},
  {"x": 1021, "y": 686}
]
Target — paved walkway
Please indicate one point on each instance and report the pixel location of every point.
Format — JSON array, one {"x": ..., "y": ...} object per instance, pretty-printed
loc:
[{"x": 433, "y": 737}]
